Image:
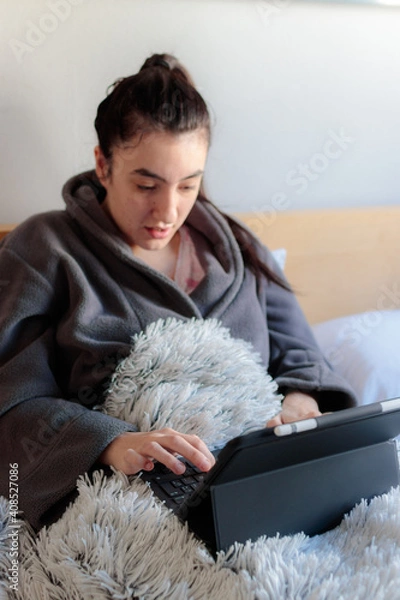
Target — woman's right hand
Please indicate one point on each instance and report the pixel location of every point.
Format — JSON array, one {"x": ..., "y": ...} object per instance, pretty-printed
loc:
[{"x": 132, "y": 452}]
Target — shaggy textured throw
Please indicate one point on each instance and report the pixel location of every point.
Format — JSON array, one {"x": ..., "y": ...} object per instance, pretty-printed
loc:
[{"x": 116, "y": 541}]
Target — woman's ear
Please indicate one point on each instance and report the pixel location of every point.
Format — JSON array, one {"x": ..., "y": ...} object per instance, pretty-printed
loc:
[{"x": 102, "y": 166}]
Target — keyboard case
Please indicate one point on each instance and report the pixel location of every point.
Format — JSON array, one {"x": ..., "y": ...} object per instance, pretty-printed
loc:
[{"x": 306, "y": 482}]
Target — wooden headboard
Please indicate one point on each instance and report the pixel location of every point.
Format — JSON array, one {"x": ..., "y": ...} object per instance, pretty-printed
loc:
[
  {"x": 4, "y": 229},
  {"x": 339, "y": 262}
]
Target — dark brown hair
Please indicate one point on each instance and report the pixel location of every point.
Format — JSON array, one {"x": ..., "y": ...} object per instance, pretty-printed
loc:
[{"x": 162, "y": 97}]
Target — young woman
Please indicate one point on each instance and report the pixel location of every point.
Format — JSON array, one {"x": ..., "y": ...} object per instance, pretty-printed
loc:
[{"x": 138, "y": 241}]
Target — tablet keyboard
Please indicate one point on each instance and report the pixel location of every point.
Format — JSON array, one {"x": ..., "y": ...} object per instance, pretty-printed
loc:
[{"x": 172, "y": 488}]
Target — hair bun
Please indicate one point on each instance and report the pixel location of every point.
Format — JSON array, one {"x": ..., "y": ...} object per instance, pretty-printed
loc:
[
  {"x": 160, "y": 60},
  {"x": 171, "y": 63}
]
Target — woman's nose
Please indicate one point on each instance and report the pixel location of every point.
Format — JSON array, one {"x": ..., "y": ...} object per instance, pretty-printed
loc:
[{"x": 165, "y": 208}]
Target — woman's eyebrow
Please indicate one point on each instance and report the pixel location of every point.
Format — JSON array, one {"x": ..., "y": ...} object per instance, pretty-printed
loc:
[{"x": 147, "y": 173}]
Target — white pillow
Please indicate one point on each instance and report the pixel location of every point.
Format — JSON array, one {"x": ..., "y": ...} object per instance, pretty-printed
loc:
[
  {"x": 365, "y": 350},
  {"x": 280, "y": 256}
]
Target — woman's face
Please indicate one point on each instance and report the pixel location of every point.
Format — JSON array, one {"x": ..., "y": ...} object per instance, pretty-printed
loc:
[{"x": 152, "y": 185}]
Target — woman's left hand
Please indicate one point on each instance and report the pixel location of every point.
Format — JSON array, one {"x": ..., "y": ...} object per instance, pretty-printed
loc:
[{"x": 295, "y": 407}]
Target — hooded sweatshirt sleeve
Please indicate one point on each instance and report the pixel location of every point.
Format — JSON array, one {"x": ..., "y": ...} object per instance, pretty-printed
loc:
[
  {"x": 53, "y": 439},
  {"x": 296, "y": 361}
]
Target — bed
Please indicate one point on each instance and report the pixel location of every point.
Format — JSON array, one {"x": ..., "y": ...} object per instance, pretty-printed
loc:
[{"x": 117, "y": 541}]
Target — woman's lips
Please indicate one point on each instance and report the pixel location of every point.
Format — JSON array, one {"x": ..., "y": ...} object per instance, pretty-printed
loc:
[{"x": 157, "y": 233}]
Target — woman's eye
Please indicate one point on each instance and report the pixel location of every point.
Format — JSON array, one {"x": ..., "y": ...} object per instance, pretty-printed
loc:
[{"x": 146, "y": 188}]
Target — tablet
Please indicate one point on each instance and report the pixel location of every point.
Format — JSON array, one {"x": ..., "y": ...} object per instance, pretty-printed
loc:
[
  {"x": 319, "y": 467},
  {"x": 300, "y": 476}
]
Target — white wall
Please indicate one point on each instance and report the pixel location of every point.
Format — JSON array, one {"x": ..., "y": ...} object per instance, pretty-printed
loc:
[{"x": 283, "y": 78}]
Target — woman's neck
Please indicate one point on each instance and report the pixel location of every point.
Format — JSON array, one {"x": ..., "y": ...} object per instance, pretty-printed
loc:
[{"x": 161, "y": 260}]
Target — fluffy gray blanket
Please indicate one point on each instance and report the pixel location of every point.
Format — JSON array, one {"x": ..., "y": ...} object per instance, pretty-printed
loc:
[{"x": 117, "y": 541}]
